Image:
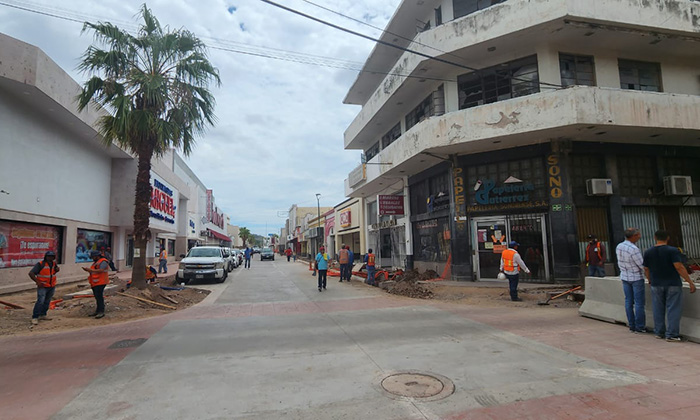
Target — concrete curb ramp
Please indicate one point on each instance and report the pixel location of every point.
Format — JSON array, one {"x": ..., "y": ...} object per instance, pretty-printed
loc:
[{"x": 605, "y": 301}]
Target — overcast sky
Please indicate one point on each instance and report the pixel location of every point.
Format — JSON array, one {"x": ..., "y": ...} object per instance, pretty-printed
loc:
[{"x": 279, "y": 138}]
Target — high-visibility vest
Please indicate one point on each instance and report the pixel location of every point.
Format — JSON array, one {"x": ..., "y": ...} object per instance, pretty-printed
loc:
[
  {"x": 343, "y": 256},
  {"x": 163, "y": 255},
  {"x": 98, "y": 279},
  {"x": 599, "y": 250},
  {"x": 370, "y": 260},
  {"x": 47, "y": 275},
  {"x": 508, "y": 260}
]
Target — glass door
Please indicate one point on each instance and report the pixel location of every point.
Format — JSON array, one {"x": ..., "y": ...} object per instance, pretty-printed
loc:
[{"x": 490, "y": 239}]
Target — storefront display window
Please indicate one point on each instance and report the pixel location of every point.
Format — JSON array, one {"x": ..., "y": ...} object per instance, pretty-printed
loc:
[
  {"x": 24, "y": 244},
  {"x": 91, "y": 240},
  {"x": 432, "y": 239}
]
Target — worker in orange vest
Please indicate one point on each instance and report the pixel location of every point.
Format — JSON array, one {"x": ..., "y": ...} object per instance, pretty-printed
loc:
[
  {"x": 595, "y": 257},
  {"x": 370, "y": 260},
  {"x": 44, "y": 275},
  {"x": 510, "y": 266},
  {"x": 98, "y": 278},
  {"x": 163, "y": 261}
]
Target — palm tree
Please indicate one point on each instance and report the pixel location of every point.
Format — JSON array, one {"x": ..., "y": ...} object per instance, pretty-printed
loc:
[
  {"x": 154, "y": 89},
  {"x": 244, "y": 233}
]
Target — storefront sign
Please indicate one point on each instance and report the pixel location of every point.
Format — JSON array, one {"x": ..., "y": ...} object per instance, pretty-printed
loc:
[
  {"x": 460, "y": 200},
  {"x": 162, "y": 201},
  {"x": 24, "y": 244},
  {"x": 192, "y": 226},
  {"x": 357, "y": 175},
  {"x": 391, "y": 205},
  {"x": 427, "y": 224},
  {"x": 554, "y": 173},
  {"x": 509, "y": 206},
  {"x": 441, "y": 201},
  {"x": 504, "y": 194},
  {"x": 345, "y": 218}
]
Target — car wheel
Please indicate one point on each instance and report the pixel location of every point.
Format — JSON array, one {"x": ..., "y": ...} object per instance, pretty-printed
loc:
[{"x": 223, "y": 279}]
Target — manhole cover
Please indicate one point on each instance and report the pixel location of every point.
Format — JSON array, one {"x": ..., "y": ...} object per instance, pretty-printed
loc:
[
  {"x": 418, "y": 385},
  {"x": 123, "y": 344}
]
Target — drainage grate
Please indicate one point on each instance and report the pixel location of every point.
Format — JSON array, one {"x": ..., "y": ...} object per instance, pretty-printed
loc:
[
  {"x": 125, "y": 344},
  {"x": 424, "y": 386}
]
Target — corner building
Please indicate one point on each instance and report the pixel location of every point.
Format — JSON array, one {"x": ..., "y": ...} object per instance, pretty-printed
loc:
[{"x": 540, "y": 121}]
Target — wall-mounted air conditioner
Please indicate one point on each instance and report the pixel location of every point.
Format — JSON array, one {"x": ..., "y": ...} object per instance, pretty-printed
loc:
[
  {"x": 678, "y": 185},
  {"x": 599, "y": 186}
]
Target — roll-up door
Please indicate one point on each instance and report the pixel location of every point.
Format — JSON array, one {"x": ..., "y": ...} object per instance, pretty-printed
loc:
[
  {"x": 646, "y": 220},
  {"x": 592, "y": 221},
  {"x": 690, "y": 228}
]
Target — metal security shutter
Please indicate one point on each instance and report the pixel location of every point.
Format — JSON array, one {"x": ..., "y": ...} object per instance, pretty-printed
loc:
[
  {"x": 690, "y": 228},
  {"x": 592, "y": 220},
  {"x": 646, "y": 220}
]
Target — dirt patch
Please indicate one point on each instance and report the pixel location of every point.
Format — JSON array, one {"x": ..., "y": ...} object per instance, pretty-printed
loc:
[
  {"x": 407, "y": 284},
  {"x": 74, "y": 313}
]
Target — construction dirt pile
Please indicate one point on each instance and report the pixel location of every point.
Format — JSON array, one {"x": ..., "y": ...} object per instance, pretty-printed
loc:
[
  {"x": 75, "y": 313},
  {"x": 407, "y": 285}
]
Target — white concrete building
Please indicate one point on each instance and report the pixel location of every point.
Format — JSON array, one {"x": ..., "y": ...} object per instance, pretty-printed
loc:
[
  {"x": 61, "y": 189},
  {"x": 538, "y": 121}
]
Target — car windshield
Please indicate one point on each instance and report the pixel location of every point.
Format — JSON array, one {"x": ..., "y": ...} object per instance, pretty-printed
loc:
[
  {"x": 204, "y": 252},
  {"x": 266, "y": 250}
]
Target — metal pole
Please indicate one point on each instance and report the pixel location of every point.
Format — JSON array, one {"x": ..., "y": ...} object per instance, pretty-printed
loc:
[{"x": 318, "y": 209}]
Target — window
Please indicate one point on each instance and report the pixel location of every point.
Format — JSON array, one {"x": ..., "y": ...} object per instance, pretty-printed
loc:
[
  {"x": 431, "y": 239},
  {"x": 499, "y": 83},
  {"x": 638, "y": 75},
  {"x": 637, "y": 175},
  {"x": 467, "y": 7},
  {"x": 422, "y": 111},
  {"x": 528, "y": 170},
  {"x": 576, "y": 70},
  {"x": 438, "y": 16},
  {"x": 372, "y": 152},
  {"x": 90, "y": 240},
  {"x": 586, "y": 167},
  {"x": 392, "y": 135}
]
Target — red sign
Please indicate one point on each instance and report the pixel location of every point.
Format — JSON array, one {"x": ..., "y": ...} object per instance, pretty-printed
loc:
[
  {"x": 24, "y": 244},
  {"x": 391, "y": 205},
  {"x": 345, "y": 218}
]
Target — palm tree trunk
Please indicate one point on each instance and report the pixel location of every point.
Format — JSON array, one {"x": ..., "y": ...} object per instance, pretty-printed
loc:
[{"x": 142, "y": 216}]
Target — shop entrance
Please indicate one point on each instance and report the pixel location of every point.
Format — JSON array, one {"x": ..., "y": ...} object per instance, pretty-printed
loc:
[{"x": 491, "y": 235}]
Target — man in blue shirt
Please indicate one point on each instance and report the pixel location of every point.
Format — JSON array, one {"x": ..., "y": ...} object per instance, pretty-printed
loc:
[
  {"x": 351, "y": 259},
  {"x": 322, "y": 261},
  {"x": 247, "y": 254},
  {"x": 664, "y": 268}
]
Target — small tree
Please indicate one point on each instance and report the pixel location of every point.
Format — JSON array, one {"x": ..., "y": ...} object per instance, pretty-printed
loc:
[
  {"x": 244, "y": 233},
  {"x": 154, "y": 89}
]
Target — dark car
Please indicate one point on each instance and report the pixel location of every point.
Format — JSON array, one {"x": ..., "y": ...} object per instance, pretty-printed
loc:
[{"x": 267, "y": 254}]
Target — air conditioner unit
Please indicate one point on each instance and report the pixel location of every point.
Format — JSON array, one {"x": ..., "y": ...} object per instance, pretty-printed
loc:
[
  {"x": 599, "y": 186},
  {"x": 678, "y": 185}
]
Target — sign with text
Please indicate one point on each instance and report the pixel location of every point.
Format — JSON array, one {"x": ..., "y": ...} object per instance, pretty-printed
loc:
[
  {"x": 357, "y": 175},
  {"x": 24, "y": 244},
  {"x": 345, "y": 218},
  {"x": 391, "y": 205}
]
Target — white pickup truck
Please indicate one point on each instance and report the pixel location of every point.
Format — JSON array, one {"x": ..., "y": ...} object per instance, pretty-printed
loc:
[{"x": 203, "y": 263}]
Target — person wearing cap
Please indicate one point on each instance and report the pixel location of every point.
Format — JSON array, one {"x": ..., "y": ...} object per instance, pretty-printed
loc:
[
  {"x": 595, "y": 257},
  {"x": 511, "y": 262},
  {"x": 322, "y": 261},
  {"x": 343, "y": 259},
  {"x": 44, "y": 275},
  {"x": 98, "y": 279}
]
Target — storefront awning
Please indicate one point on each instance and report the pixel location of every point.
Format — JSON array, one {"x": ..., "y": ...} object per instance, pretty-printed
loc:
[{"x": 218, "y": 235}]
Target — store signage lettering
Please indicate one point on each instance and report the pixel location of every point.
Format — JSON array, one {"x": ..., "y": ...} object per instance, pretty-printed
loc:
[
  {"x": 460, "y": 199},
  {"x": 427, "y": 224},
  {"x": 345, "y": 218},
  {"x": 391, "y": 205},
  {"x": 162, "y": 202},
  {"x": 192, "y": 225},
  {"x": 508, "y": 206},
  {"x": 554, "y": 172},
  {"x": 23, "y": 244},
  {"x": 505, "y": 194}
]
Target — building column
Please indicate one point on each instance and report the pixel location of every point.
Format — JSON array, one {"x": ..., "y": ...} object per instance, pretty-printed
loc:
[
  {"x": 459, "y": 242},
  {"x": 408, "y": 228},
  {"x": 615, "y": 223}
]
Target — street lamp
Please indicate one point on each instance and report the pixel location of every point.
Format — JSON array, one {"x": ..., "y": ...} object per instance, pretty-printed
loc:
[{"x": 318, "y": 208}]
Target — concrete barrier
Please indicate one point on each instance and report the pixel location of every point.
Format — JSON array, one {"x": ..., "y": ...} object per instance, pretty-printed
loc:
[{"x": 605, "y": 301}]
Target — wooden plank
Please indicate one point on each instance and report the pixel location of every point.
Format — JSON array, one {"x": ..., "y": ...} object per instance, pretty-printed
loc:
[
  {"x": 169, "y": 299},
  {"x": 147, "y": 301},
  {"x": 11, "y": 305}
]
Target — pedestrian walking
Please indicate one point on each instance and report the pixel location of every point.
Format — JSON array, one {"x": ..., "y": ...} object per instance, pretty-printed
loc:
[
  {"x": 371, "y": 266},
  {"x": 247, "y": 254},
  {"x": 343, "y": 258},
  {"x": 351, "y": 262},
  {"x": 631, "y": 263},
  {"x": 288, "y": 253},
  {"x": 595, "y": 257},
  {"x": 322, "y": 264},
  {"x": 511, "y": 262},
  {"x": 663, "y": 265},
  {"x": 44, "y": 275},
  {"x": 108, "y": 255},
  {"x": 98, "y": 278},
  {"x": 163, "y": 261}
]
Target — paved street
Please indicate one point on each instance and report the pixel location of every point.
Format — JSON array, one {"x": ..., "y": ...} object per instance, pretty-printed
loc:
[{"x": 267, "y": 345}]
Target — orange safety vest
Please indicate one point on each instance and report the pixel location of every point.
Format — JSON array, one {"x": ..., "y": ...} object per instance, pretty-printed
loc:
[
  {"x": 370, "y": 260},
  {"x": 47, "y": 276},
  {"x": 163, "y": 255},
  {"x": 508, "y": 264},
  {"x": 98, "y": 279},
  {"x": 600, "y": 251}
]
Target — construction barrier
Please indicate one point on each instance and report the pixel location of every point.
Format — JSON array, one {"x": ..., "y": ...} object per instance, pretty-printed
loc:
[{"x": 605, "y": 301}]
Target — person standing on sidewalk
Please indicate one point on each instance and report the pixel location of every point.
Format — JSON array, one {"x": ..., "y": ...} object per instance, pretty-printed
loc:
[
  {"x": 98, "y": 279},
  {"x": 163, "y": 261},
  {"x": 351, "y": 261},
  {"x": 288, "y": 253},
  {"x": 631, "y": 263},
  {"x": 663, "y": 265},
  {"x": 370, "y": 261},
  {"x": 44, "y": 275},
  {"x": 511, "y": 262},
  {"x": 108, "y": 255},
  {"x": 343, "y": 258},
  {"x": 322, "y": 262},
  {"x": 247, "y": 254},
  {"x": 595, "y": 257}
]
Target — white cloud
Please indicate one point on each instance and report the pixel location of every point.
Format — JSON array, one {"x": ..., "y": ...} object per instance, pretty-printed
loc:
[{"x": 279, "y": 136}]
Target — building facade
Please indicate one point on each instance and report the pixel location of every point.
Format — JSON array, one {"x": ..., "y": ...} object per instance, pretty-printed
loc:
[{"x": 536, "y": 121}]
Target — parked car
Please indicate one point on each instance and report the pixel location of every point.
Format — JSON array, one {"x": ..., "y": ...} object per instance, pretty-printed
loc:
[
  {"x": 256, "y": 250},
  {"x": 267, "y": 254},
  {"x": 203, "y": 263},
  {"x": 230, "y": 260},
  {"x": 239, "y": 256}
]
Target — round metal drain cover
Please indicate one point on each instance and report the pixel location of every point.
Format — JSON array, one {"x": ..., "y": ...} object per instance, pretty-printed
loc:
[{"x": 418, "y": 385}]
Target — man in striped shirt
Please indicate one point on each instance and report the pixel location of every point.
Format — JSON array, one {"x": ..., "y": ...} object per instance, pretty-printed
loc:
[{"x": 631, "y": 263}]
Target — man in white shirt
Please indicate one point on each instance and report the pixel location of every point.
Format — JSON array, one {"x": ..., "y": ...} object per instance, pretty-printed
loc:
[
  {"x": 631, "y": 263},
  {"x": 510, "y": 266}
]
